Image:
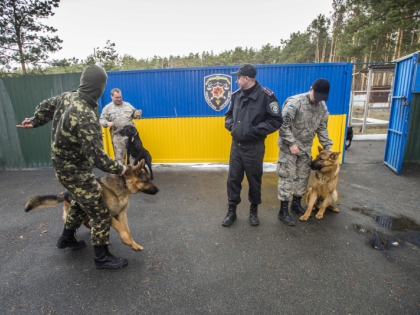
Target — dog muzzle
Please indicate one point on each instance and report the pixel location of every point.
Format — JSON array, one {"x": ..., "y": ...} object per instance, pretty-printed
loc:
[{"x": 315, "y": 167}]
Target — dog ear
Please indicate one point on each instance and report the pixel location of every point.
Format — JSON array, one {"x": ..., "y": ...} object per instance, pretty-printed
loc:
[
  {"x": 335, "y": 155},
  {"x": 141, "y": 163},
  {"x": 129, "y": 168},
  {"x": 320, "y": 149}
]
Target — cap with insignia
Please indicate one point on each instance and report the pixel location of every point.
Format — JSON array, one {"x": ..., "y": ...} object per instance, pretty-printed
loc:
[{"x": 246, "y": 70}]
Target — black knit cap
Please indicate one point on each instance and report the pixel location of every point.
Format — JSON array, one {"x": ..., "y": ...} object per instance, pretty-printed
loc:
[
  {"x": 246, "y": 70},
  {"x": 321, "y": 89}
]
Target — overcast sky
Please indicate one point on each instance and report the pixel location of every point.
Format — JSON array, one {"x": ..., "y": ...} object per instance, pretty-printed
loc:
[{"x": 145, "y": 28}]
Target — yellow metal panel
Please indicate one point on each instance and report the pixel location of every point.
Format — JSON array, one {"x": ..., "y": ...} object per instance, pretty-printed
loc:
[
  {"x": 336, "y": 131},
  {"x": 205, "y": 139}
]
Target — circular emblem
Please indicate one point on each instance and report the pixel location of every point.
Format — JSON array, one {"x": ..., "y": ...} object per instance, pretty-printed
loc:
[
  {"x": 274, "y": 106},
  {"x": 287, "y": 120}
]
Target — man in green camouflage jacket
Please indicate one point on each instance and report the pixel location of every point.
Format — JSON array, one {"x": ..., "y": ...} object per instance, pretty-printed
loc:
[{"x": 76, "y": 144}]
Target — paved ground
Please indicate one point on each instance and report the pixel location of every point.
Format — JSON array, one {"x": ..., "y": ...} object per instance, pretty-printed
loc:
[{"x": 363, "y": 260}]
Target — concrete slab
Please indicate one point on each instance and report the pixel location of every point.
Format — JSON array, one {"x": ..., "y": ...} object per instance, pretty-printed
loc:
[{"x": 193, "y": 265}]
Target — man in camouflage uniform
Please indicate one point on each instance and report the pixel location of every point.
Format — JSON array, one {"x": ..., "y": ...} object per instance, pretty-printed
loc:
[
  {"x": 116, "y": 115},
  {"x": 76, "y": 144},
  {"x": 253, "y": 114},
  {"x": 304, "y": 115}
]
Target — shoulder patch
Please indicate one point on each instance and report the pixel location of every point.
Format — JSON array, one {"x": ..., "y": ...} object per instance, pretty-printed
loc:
[
  {"x": 287, "y": 120},
  {"x": 274, "y": 106},
  {"x": 267, "y": 91}
]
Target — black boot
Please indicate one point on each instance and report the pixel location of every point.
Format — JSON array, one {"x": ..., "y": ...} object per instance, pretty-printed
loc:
[
  {"x": 296, "y": 207},
  {"x": 68, "y": 240},
  {"x": 284, "y": 213},
  {"x": 105, "y": 260},
  {"x": 230, "y": 217},
  {"x": 253, "y": 215}
]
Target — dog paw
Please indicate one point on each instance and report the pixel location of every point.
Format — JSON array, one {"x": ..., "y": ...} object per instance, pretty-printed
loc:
[
  {"x": 333, "y": 209},
  {"x": 304, "y": 218},
  {"x": 319, "y": 216},
  {"x": 137, "y": 247}
]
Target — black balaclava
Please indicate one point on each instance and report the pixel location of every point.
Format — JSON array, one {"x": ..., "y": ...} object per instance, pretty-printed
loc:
[{"x": 93, "y": 81}]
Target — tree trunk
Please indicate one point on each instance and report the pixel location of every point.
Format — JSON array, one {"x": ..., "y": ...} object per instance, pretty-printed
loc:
[
  {"x": 418, "y": 35},
  {"x": 332, "y": 50},
  {"x": 324, "y": 48},
  {"x": 363, "y": 83},
  {"x": 397, "y": 50},
  {"x": 400, "y": 42},
  {"x": 22, "y": 61}
]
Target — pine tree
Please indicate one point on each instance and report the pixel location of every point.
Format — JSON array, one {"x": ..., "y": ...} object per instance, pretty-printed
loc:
[{"x": 22, "y": 39}]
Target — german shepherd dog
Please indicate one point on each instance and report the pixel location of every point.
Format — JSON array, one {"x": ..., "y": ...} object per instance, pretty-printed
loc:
[
  {"x": 135, "y": 147},
  {"x": 116, "y": 191},
  {"x": 322, "y": 193}
]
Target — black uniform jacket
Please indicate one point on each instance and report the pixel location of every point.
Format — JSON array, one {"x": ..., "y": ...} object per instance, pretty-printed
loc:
[{"x": 251, "y": 118}]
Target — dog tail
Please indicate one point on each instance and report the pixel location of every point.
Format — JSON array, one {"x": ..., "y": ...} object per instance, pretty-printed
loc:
[{"x": 46, "y": 201}]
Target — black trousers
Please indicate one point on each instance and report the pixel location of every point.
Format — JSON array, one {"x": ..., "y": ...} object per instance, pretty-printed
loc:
[{"x": 245, "y": 159}]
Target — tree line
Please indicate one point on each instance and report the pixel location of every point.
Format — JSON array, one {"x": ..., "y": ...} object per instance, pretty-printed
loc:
[{"x": 357, "y": 31}]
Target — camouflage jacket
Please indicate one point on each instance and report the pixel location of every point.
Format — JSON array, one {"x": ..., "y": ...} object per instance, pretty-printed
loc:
[
  {"x": 120, "y": 115},
  {"x": 250, "y": 118},
  {"x": 76, "y": 137},
  {"x": 302, "y": 120}
]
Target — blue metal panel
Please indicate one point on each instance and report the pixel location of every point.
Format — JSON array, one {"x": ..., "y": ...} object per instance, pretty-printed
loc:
[
  {"x": 417, "y": 80},
  {"x": 180, "y": 92},
  {"x": 400, "y": 112}
]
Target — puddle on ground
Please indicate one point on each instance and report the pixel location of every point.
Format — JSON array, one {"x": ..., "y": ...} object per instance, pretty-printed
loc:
[{"x": 399, "y": 231}]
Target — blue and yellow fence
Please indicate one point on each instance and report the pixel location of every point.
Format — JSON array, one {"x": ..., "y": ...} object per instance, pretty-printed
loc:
[{"x": 178, "y": 126}]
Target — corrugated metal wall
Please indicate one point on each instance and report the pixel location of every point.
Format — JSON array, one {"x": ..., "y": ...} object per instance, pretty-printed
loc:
[
  {"x": 177, "y": 124},
  {"x": 173, "y": 93},
  {"x": 412, "y": 148},
  {"x": 19, "y": 96}
]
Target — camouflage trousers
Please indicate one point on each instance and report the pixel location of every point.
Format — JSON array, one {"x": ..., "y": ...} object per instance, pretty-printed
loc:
[
  {"x": 119, "y": 144},
  {"x": 86, "y": 202},
  {"x": 294, "y": 172}
]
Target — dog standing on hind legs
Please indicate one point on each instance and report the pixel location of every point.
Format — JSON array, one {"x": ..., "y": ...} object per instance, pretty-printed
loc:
[
  {"x": 322, "y": 193},
  {"x": 135, "y": 147}
]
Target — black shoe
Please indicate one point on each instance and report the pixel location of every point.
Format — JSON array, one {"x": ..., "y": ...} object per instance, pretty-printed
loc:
[
  {"x": 230, "y": 217},
  {"x": 284, "y": 215},
  {"x": 253, "y": 215},
  {"x": 68, "y": 240},
  {"x": 296, "y": 207},
  {"x": 105, "y": 260}
]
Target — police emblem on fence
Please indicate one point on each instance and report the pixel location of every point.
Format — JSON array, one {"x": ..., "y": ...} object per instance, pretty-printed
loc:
[{"x": 217, "y": 90}]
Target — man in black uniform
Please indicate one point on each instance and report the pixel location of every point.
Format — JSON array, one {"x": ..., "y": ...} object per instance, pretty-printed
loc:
[{"x": 253, "y": 114}]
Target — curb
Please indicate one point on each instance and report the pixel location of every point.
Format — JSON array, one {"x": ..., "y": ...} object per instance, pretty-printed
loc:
[{"x": 370, "y": 137}]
